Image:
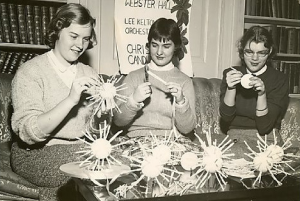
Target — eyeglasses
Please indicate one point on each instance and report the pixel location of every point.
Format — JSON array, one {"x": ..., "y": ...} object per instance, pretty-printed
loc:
[{"x": 250, "y": 53}]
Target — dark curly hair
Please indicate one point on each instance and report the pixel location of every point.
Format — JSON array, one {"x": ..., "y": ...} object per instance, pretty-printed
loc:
[
  {"x": 257, "y": 34},
  {"x": 65, "y": 15},
  {"x": 165, "y": 29}
]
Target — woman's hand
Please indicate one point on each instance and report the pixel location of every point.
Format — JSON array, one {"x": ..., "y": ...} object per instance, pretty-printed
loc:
[
  {"x": 233, "y": 77},
  {"x": 79, "y": 85},
  {"x": 176, "y": 91},
  {"x": 142, "y": 92},
  {"x": 258, "y": 85}
]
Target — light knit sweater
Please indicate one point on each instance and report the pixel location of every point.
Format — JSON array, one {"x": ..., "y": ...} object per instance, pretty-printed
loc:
[
  {"x": 156, "y": 114},
  {"x": 36, "y": 89}
]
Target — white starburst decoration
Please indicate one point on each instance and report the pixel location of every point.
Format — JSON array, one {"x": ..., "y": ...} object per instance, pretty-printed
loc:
[
  {"x": 210, "y": 162},
  {"x": 270, "y": 158},
  {"x": 106, "y": 92},
  {"x": 155, "y": 163},
  {"x": 98, "y": 153}
]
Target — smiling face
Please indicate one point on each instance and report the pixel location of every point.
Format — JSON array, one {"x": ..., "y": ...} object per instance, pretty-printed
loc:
[
  {"x": 72, "y": 42},
  {"x": 162, "y": 51},
  {"x": 255, "y": 56}
]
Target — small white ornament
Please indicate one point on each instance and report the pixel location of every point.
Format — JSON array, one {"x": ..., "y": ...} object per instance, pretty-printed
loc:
[
  {"x": 108, "y": 91},
  {"x": 246, "y": 80},
  {"x": 101, "y": 148},
  {"x": 275, "y": 152},
  {"x": 162, "y": 152},
  {"x": 189, "y": 161},
  {"x": 262, "y": 162},
  {"x": 212, "y": 159},
  {"x": 151, "y": 166}
]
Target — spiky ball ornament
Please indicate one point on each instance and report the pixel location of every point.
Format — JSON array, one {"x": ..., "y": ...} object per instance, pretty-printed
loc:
[
  {"x": 98, "y": 153},
  {"x": 211, "y": 160},
  {"x": 270, "y": 158},
  {"x": 152, "y": 169},
  {"x": 105, "y": 93},
  {"x": 155, "y": 166},
  {"x": 155, "y": 163}
]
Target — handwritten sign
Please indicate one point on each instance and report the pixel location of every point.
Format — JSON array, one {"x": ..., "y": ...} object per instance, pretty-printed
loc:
[{"x": 133, "y": 19}]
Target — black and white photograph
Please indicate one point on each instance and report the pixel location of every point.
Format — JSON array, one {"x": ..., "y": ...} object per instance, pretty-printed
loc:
[{"x": 127, "y": 100}]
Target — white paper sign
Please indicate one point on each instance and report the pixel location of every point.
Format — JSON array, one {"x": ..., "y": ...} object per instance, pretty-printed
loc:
[{"x": 133, "y": 19}]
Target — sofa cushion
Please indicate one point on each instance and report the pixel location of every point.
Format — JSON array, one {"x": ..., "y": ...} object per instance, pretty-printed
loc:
[
  {"x": 8, "y": 196},
  {"x": 5, "y": 107},
  {"x": 207, "y": 105},
  {"x": 10, "y": 182}
]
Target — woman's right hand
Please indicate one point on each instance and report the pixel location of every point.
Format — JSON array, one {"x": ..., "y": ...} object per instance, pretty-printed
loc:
[
  {"x": 142, "y": 92},
  {"x": 233, "y": 77},
  {"x": 79, "y": 85}
]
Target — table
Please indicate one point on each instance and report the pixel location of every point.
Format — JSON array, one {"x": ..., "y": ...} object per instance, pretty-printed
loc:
[{"x": 289, "y": 191}]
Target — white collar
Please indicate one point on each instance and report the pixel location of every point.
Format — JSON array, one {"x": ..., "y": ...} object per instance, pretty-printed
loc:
[
  {"x": 167, "y": 67},
  {"x": 57, "y": 64},
  {"x": 261, "y": 71}
]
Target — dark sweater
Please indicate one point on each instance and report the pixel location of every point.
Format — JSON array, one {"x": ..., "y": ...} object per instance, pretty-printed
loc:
[{"x": 243, "y": 114}]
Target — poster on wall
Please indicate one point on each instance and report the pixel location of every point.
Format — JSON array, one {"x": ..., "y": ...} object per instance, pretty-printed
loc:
[{"x": 133, "y": 19}]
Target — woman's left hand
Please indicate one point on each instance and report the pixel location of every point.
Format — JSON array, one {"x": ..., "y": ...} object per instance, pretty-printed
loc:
[
  {"x": 176, "y": 91},
  {"x": 258, "y": 85}
]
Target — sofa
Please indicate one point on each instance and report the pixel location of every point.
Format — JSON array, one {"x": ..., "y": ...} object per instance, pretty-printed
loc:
[{"x": 14, "y": 187}]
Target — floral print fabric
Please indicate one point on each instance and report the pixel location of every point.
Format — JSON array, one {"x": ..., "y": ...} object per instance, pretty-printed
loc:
[{"x": 5, "y": 107}]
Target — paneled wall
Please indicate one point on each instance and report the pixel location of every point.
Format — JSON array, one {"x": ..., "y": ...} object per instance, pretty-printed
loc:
[{"x": 215, "y": 27}]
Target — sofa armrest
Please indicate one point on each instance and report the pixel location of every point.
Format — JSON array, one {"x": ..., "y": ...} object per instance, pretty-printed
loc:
[{"x": 12, "y": 184}]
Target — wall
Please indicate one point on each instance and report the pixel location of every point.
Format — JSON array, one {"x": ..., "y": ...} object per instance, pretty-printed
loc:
[{"x": 215, "y": 27}]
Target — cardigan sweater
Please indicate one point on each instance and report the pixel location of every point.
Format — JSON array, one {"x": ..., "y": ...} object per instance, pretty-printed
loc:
[
  {"x": 243, "y": 113},
  {"x": 156, "y": 112},
  {"x": 36, "y": 89}
]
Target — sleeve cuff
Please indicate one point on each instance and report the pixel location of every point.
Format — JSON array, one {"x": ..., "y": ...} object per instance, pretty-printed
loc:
[{"x": 37, "y": 134}]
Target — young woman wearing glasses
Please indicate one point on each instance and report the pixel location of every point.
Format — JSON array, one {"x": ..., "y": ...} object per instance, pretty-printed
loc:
[{"x": 259, "y": 105}]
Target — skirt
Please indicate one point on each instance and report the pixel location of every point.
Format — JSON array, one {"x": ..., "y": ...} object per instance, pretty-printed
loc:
[{"x": 41, "y": 167}]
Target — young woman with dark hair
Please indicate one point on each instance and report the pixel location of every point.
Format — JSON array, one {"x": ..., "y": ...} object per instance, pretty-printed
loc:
[
  {"x": 149, "y": 108},
  {"x": 258, "y": 104}
]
